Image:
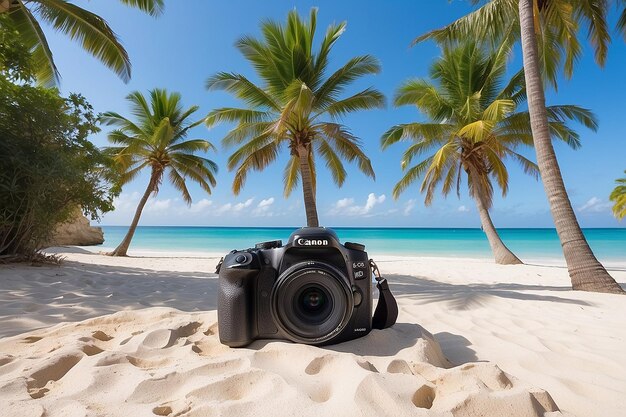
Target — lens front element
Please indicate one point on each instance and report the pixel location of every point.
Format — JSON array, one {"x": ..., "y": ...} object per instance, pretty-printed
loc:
[{"x": 312, "y": 302}]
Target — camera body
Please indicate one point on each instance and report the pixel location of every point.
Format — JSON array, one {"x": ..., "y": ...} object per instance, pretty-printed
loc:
[{"x": 312, "y": 290}]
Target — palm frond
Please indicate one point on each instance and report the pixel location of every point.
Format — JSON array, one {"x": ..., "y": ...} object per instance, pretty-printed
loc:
[
  {"x": 291, "y": 175},
  {"x": 242, "y": 88},
  {"x": 410, "y": 176},
  {"x": 488, "y": 22},
  {"x": 152, "y": 7},
  {"x": 333, "y": 162},
  {"x": 354, "y": 69},
  {"x": 498, "y": 109},
  {"x": 179, "y": 184},
  {"x": 191, "y": 146},
  {"x": 91, "y": 31},
  {"x": 246, "y": 131},
  {"x": 33, "y": 37},
  {"x": 426, "y": 97},
  {"x": 348, "y": 146},
  {"x": 528, "y": 166},
  {"x": 593, "y": 14},
  {"x": 431, "y": 132},
  {"x": 563, "y": 113},
  {"x": 231, "y": 114},
  {"x": 618, "y": 197},
  {"x": 256, "y": 160},
  {"x": 365, "y": 100}
]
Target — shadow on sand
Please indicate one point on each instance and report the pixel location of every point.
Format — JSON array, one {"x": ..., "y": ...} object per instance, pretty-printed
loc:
[
  {"x": 77, "y": 291},
  {"x": 467, "y": 296}
]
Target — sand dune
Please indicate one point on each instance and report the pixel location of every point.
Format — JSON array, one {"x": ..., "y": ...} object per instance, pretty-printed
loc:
[{"x": 500, "y": 337}]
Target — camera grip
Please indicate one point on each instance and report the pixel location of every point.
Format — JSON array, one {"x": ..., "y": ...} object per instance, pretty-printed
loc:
[{"x": 235, "y": 306}]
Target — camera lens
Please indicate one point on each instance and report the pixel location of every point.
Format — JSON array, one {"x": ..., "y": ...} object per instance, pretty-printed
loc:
[{"x": 312, "y": 302}]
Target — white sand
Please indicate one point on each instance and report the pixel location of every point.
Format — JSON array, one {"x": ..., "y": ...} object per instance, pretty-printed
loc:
[{"x": 159, "y": 354}]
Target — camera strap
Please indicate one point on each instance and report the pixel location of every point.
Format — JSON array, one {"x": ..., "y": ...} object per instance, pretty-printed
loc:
[{"x": 386, "y": 311}]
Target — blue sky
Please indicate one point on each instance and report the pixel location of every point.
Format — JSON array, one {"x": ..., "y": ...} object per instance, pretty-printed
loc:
[{"x": 194, "y": 39}]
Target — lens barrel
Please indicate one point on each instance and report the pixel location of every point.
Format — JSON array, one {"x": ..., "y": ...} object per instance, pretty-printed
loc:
[{"x": 312, "y": 302}]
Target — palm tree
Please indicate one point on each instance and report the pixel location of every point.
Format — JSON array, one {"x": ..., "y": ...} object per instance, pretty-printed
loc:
[
  {"x": 473, "y": 127},
  {"x": 295, "y": 106},
  {"x": 90, "y": 30},
  {"x": 156, "y": 141},
  {"x": 549, "y": 35},
  {"x": 618, "y": 196}
]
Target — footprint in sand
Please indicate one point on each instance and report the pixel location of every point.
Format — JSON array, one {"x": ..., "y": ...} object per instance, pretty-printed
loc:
[
  {"x": 6, "y": 359},
  {"x": 54, "y": 370},
  {"x": 251, "y": 385},
  {"x": 163, "y": 410},
  {"x": 399, "y": 366},
  {"x": 102, "y": 336},
  {"x": 165, "y": 338},
  {"x": 331, "y": 362},
  {"x": 174, "y": 383},
  {"x": 91, "y": 350},
  {"x": 399, "y": 392},
  {"x": 32, "y": 339}
]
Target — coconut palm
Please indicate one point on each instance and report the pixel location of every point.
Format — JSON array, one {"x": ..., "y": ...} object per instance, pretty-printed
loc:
[
  {"x": 473, "y": 128},
  {"x": 156, "y": 141},
  {"x": 549, "y": 36},
  {"x": 295, "y": 106},
  {"x": 89, "y": 29},
  {"x": 618, "y": 196}
]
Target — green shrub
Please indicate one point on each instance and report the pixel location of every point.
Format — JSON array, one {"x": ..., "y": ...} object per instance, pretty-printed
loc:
[{"x": 47, "y": 164}]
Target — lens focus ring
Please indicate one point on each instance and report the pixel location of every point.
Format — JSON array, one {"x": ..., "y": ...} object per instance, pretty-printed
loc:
[{"x": 312, "y": 302}]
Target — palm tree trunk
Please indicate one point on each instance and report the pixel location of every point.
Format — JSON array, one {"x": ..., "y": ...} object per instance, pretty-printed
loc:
[
  {"x": 501, "y": 253},
  {"x": 307, "y": 188},
  {"x": 585, "y": 271},
  {"x": 122, "y": 248}
]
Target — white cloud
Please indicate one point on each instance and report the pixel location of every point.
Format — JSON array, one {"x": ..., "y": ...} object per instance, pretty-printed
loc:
[
  {"x": 346, "y": 206},
  {"x": 263, "y": 208},
  {"x": 234, "y": 208},
  {"x": 241, "y": 206},
  {"x": 125, "y": 201},
  {"x": 200, "y": 206},
  {"x": 266, "y": 203},
  {"x": 595, "y": 205},
  {"x": 223, "y": 208},
  {"x": 157, "y": 206},
  {"x": 409, "y": 206},
  {"x": 344, "y": 202},
  {"x": 463, "y": 209}
]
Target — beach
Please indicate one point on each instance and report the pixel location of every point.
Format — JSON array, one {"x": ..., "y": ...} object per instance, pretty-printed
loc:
[{"x": 112, "y": 336}]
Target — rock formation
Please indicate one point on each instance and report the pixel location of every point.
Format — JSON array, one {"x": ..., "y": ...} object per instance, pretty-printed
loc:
[{"x": 76, "y": 231}]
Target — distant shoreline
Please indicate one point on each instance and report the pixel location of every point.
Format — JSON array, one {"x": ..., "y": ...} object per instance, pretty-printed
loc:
[
  {"x": 531, "y": 245},
  {"x": 611, "y": 265}
]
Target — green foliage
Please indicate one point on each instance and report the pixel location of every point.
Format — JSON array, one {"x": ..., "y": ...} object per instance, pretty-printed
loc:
[
  {"x": 88, "y": 29},
  {"x": 558, "y": 25},
  {"x": 618, "y": 197},
  {"x": 47, "y": 165},
  {"x": 297, "y": 105},
  {"x": 474, "y": 124},
  {"x": 15, "y": 60},
  {"x": 155, "y": 140}
]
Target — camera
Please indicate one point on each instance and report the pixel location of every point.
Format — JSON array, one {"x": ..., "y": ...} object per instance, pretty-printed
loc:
[{"x": 313, "y": 290}]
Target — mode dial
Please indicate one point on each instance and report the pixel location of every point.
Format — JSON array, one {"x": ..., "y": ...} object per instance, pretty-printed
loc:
[
  {"x": 354, "y": 246},
  {"x": 270, "y": 244}
]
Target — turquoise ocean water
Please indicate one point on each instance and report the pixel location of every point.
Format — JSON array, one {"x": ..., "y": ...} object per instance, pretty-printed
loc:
[{"x": 609, "y": 245}]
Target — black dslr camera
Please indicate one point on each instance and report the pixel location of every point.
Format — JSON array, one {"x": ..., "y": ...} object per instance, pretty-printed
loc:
[{"x": 313, "y": 290}]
